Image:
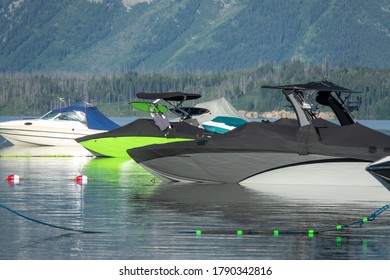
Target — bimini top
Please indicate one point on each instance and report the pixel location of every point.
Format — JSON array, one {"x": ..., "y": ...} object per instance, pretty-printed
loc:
[
  {"x": 328, "y": 94},
  {"x": 169, "y": 96},
  {"x": 90, "y": 116},
  {"x": 318, "y": 86},
  {"x": 179, "y": 98}
]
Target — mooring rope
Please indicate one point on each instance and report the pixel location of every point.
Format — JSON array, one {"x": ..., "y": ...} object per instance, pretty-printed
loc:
[
  {"x": 370, "y": 218},
  {"x": 47, "y": 224},
  {"x": 309, "y": 232}
]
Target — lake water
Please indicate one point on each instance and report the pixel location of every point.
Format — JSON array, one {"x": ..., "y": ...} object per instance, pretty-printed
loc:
[{"x": 134, "y": 216}]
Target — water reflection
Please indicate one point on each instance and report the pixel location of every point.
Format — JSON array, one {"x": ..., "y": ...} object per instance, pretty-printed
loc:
[
  {"x": 145, "y": 219},
  {"x": 124, "y": 171},
  {"x": 119, "y": 176},
  {"x": 43, "y": 151},
  {"x": 223, "y": 209},
  {"x": 261, "y": 202},
  {"x": 325, "y": 194},
  {"x": 50, "y": 178}
]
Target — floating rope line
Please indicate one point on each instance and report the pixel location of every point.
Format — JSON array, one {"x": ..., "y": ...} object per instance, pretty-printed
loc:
[
  {"x": 47, "y": 224},
  {"x": 371, "y": 218},
  {"x": 309, "y": 232}
]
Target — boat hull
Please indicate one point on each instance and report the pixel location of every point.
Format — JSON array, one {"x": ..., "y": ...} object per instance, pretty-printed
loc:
[
  {"x": 117, "y": 146},
  {"x": 259, "y": 168},
  {"x": 140, "y": 133},
  {"x": 257, "y": 152},
  {"x": 380, "y": 170},
  {"x": 44, "y": 132},
  {"x": 255, "y": 149}
]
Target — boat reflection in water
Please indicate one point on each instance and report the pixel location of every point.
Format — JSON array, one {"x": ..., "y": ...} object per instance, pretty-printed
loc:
[
  {"x": 259, "y": 203},
  {"x": 44, "y": 151},
  {"x": 219, "y": 211},
  {"x": 118, "y": 172},
  {"x": 143, "y": 219},
  {"x": 45, "y": 183},
  {"x": 48, "y": 192}
]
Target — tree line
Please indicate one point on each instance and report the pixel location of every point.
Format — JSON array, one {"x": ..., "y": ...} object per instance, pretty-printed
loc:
[{"x": 32, "y": 94}]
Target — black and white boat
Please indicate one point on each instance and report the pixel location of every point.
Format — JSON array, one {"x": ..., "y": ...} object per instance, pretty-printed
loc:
[{"x": 315, "y": 150}]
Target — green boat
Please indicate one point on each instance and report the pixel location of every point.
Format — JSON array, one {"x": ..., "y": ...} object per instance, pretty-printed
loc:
[{"x": 143, "y": 132}]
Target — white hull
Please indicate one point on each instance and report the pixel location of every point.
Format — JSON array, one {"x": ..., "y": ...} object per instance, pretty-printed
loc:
[
  {"x": 261, "y": 168},
  {"x": 321, "y": 174},
  {"x": 38, "y": 132}
]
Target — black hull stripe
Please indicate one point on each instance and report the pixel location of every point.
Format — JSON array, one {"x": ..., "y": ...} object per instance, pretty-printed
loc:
[{"x": 335, "y": 160}]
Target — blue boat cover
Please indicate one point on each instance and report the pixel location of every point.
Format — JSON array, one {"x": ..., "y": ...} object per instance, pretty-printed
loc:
[{"x": 95, "y": 119}]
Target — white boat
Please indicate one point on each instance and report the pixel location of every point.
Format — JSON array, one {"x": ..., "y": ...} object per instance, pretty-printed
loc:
[{"x": 58, "y": 127}]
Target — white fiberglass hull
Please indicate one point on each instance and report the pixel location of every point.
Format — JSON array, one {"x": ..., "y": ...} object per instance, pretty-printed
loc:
[
  {"x": 261, "y": 168},
  {"x": 317, "y": 174},
  {"x": 38, "y": 132}
]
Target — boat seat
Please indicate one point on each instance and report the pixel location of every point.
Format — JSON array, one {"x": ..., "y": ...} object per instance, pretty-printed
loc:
[{"x": 162, "y": 122}]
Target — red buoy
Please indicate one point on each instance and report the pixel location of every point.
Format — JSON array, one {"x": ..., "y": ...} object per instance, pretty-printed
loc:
[
  {"x": 81, "y": 179},
  {"x": 13, "y": 178}
]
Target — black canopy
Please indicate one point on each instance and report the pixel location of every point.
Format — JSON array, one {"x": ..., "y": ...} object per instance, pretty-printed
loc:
[
  {"x": 169, "y": 96},
  {"x": 319, "y": 86}
]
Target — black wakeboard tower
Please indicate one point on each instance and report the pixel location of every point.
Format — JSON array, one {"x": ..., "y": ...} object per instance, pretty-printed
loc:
[
  {"x": 176, "y": 99},
  {"x": 302, "y": 96}
]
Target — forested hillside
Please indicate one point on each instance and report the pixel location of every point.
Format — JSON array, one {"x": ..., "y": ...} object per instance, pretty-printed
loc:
[
  {"x": 105, "y": 51},
  {"x": 36, "y": 93},
  {"x": 107, "y": 36}
]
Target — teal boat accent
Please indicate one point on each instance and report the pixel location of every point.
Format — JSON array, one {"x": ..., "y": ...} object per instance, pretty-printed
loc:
[
  {"x": 223, "y": 124},
  {"x": 233, "y": 121}
]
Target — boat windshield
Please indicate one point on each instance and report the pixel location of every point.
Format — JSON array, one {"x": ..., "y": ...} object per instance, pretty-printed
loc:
[
  {"x": 66, "y": 116},
  {"x": 49, "y": 116}
]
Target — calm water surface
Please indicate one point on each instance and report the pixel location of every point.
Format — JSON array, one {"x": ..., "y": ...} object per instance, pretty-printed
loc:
[{"x": 141, "y": 218}]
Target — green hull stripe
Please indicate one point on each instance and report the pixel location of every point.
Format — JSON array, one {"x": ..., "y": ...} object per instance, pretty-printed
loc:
[{"x": 117, "y": 146}]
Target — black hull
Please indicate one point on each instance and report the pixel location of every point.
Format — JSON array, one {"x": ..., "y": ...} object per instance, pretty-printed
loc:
[{"x": 259, "y": 148}]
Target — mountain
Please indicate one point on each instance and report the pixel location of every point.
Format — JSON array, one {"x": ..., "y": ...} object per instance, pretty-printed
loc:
[{"x": 102, "y": 36}]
